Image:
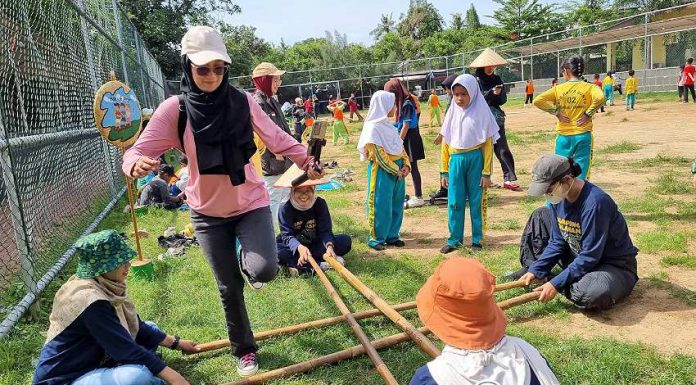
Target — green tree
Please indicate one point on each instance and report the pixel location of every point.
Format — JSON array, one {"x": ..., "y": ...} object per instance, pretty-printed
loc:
[
  {"x": 244, "y": 47},
  {"x": 646, "y": 5},
  {"x": 394, "y": 47},
  {"x": 472, "y": 18},
  {"x": 386, "y": 25},
  {"x": 453, "y": 41},
  {"x": 457, "y": 21},
  {"x": 526, "y": 18},
  {"x": 421, "y": 20},
  {"x": 588, "y": 12},
  {"x": 162, "y": 24}
]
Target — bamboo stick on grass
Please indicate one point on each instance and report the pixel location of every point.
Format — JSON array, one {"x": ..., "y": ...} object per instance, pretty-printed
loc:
[
  {"x": 380, "y": 366},
  {"x": 418, "y": 337}
]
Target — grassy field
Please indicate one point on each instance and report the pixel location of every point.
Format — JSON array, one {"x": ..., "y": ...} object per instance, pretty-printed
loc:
[{"x": 183, "y": 298}]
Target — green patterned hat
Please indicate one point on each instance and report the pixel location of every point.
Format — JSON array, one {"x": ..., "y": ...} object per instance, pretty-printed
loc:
[{"x": 101, "y": 252}]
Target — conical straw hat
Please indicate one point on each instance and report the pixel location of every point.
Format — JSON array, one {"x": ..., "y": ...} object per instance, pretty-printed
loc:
[
  {"x": 488, "y": 58},
  {"x": 293, "y": 172}
]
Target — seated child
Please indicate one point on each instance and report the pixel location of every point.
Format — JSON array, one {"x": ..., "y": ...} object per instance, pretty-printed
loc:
[
  {"x": 457, "y": 305},
  {"x": 95, "y": 335},
  {"x": 305, "y": 227},
  {"x": 156, "y": 192}
]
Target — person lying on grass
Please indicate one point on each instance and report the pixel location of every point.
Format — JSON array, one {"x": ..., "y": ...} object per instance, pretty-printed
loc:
[
  {"x": 457, "y": 305},
  {"x": 589, "y": 239},
  {"x": 95, "y": 335},
  {"x": 305, "y": 227}
]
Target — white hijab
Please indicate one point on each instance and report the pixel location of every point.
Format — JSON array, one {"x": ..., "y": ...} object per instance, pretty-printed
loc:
[
  {"x": 507, "y": 363},
  {"x": 471, "y": 126},
  {"x": 377, "y": 129}
]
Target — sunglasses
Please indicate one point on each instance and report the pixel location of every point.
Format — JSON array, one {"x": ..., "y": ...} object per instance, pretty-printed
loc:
[{"x": 204, "y": 71}]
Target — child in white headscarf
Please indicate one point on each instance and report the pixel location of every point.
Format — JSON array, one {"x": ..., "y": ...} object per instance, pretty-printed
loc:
[
  {"x": 382, "y": 146},
  {"x": 469, "y": 132}
]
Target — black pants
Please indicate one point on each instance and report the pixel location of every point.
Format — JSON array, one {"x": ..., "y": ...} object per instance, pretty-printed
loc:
[
  {"x": 416, "y": 176},
  {"x": 688, "y": 89},
  {"x": 218, "y": 240},
  {"x": 680, "y": 89},
  {"x": 601, "y": 288},
  {"x": 504, "y": 155},
  {"x": 529, "y": 98},
  {"x": 342, "y": 245}
]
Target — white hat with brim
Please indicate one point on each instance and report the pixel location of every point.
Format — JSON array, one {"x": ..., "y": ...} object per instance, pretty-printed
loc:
[
  {"x": 203, "y": 44},
  {"x": 285, "y": 180},
  {"x": 488, "y": 58},
  {"x": 266, "y": 69}
]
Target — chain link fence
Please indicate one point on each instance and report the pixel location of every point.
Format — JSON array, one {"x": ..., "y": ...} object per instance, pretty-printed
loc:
[
  {"x": 654, "y": 44},
  {"x": 58, "y": 177}
]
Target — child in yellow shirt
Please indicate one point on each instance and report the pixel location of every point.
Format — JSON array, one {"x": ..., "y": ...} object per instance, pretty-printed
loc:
[
  {"x": 574, "y": 103},
  {"x": 631, "y": 90}
]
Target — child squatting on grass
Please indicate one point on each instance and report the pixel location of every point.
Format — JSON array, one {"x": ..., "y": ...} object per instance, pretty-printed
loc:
[
  {"x": 95, "y": 336},
  {"x": 387, "y": 169},
  {"x": 305, "y": 227},
  {"x": 468, "y": 132},
  {"x": 457, "y": 305}
]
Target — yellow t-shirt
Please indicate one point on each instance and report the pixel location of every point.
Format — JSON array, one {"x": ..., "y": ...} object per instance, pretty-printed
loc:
[
  {"x": 631, "y": 85},
  {"x": 573, "y": 99},
  {"x": 608, "y": 80},
  {"x": 487, "y": 147}
]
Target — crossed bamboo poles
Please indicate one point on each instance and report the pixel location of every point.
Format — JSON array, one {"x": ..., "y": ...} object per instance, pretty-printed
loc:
[{"x": 366, "y": 346}]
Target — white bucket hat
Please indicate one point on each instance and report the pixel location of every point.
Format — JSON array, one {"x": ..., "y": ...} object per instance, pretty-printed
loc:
[{"x": 203, "y": 44}]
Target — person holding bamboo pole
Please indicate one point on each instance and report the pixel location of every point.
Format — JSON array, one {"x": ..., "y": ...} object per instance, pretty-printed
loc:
[
  {"x": 457, "y": 305},
  {"x": 228, "y": 199}
]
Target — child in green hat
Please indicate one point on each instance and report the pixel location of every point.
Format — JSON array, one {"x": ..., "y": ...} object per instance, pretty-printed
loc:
[{"x": 95, "y": 334}]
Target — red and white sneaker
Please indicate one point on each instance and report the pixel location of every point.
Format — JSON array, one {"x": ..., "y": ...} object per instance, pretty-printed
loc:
[
  {"x": 511, "y": 186},
  {"x": 247, "y": 365}
]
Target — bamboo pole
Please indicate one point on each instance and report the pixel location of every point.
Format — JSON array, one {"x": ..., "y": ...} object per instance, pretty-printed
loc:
[
  {"x": 132, "y": 212},
  {"x": 418, "y": 337},
  {"x": 380, "y": 366},
  {"x": 509, "y": 285},
  {"x": 223, "y": 343},
  {"x": 330, "y": 321},
  {"x": 358, "y": 350},
  {"x": 309, "y": 365}
]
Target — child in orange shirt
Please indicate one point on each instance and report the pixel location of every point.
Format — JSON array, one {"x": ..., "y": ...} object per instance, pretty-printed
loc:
[{"x": 529, "y": 91}]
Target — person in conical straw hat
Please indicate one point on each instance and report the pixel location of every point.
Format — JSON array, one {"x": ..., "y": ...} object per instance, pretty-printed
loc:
[
  {"x": 306, "y": 228},
  {"x": 95, "y": 335},
  {"x": 494, "y": 92},
  {"x": 457, "y": 305}
]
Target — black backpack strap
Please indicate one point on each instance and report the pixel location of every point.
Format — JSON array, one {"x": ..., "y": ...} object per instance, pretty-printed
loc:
[{"x": 182, "y": 119}]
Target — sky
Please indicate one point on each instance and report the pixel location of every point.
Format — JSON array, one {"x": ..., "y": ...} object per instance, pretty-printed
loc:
[{"x": 297, "y": 20}]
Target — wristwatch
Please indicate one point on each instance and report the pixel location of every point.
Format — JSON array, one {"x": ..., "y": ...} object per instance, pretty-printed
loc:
[{"x": 175, "y": 344}]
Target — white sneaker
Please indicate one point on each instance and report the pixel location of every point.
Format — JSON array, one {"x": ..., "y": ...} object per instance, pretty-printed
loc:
[
  {"x": 341, "y": 260},
  {"x": 415, "y": 202},
  {"x": 324, "y": 266}
]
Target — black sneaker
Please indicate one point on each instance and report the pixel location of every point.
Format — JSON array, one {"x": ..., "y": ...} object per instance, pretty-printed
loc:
[
  {"x": 516, "y": 275},
  {"x": 378, "y": 247},
  {"x": 441, "y": 193},
  {"x": 447, "y": 249},
  {"x": 397, "y": 243},
  {"x": 476, "y": 247}
]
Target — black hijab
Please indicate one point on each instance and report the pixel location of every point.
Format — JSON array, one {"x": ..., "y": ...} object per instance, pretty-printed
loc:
[{"x": 221, "y": 125}]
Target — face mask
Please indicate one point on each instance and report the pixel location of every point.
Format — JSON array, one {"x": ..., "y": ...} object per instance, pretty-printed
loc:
[{"x": 554, "y": 198}]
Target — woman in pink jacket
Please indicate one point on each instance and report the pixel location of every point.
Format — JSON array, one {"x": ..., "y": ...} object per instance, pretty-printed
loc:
[{"x": 227, "y": 197}]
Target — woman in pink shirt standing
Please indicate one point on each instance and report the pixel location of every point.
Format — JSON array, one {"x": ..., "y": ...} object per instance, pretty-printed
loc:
[{"x": 227, "y": 197}]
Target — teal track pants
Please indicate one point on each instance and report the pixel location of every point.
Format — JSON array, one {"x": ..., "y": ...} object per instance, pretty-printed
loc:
[
  {"x": 579, "y": 147},
  {"x": 465, "y": 171},
  {"x": 385, "y": 204}
]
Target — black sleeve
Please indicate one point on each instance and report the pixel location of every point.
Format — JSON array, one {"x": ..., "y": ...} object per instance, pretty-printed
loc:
[{"x": 492, "y": 99}]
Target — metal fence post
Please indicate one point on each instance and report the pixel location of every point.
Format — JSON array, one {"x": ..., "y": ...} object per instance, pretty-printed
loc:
[
  {"x": 531, "y": 58},
  {"x": 138, "y": 47},
  {"x": 117, "y": 20},
  {"x": 646, "y": 48}
]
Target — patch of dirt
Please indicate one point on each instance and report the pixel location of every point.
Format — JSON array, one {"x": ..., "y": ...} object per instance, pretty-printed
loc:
[{"x": 651, "y": 315}]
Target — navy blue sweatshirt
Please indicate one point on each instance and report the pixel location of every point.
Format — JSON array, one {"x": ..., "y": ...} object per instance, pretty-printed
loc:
[
  {"x": 305, "y": 227},
  {"x": 591, "y": 231},
  {"x": 96, "y": 339}
]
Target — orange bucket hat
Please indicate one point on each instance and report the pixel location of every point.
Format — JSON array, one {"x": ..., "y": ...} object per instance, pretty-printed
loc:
[{"x": 456, "y": 304}]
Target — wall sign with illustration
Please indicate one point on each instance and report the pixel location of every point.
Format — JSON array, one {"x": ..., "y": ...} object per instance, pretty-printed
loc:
[{"x": 117, "y": 113}]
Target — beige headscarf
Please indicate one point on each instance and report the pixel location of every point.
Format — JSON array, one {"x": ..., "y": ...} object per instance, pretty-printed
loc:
[{"x": 77, "y": 294}]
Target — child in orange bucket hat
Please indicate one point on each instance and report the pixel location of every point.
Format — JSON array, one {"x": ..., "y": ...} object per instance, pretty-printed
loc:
[{"x": 457, "y": 305}]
